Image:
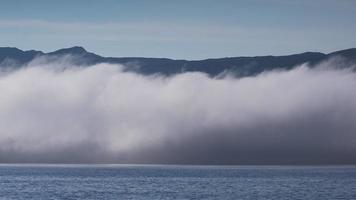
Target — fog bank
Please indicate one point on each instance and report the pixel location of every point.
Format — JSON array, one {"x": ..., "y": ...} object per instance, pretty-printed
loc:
[{"x": 54, "y": 112}]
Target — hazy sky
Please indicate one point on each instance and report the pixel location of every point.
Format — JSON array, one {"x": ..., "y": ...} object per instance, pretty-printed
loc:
[{"x": 180, "y": 29}]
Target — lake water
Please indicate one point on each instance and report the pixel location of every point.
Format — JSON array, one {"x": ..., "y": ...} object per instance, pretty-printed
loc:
[{"x": 176, "y": 182}]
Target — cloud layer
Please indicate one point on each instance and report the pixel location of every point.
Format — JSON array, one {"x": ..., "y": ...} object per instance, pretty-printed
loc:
[{"x": 56, "y": 112}]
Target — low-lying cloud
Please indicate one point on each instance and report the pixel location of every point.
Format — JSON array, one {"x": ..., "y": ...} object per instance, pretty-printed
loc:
[{"x": 56, "y": 112}]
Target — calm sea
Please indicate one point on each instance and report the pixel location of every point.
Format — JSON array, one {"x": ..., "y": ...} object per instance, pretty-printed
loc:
[{"x": 176, "y": 182}]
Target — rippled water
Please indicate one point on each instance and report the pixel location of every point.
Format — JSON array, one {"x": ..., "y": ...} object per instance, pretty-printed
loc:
[{"x": 175, "y": 182}]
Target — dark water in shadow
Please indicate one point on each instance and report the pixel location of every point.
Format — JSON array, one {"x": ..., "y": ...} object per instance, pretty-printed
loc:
[{"x": 176, "y": 182}]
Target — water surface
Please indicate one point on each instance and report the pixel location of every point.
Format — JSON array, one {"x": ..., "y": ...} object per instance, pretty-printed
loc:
[{"x": 176, "y": 182}]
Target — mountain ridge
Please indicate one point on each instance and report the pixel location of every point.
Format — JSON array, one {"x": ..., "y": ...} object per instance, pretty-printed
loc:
[{"x": 240, "y": 66}]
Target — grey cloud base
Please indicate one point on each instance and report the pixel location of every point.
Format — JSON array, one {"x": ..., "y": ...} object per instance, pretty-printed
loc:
[{"x": 58, "y": 113}]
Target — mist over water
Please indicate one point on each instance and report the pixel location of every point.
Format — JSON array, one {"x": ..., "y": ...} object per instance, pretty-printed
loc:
[{"x": 56, "y": 112}]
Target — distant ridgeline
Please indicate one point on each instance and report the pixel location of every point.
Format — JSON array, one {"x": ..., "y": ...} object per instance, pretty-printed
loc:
[{"x": 239, "y": 66}]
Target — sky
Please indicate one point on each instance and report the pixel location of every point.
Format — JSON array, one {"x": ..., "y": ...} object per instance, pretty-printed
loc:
[{"x": 180, "y": 29}]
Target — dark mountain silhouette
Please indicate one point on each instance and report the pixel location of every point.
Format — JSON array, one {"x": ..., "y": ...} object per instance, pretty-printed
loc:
[
  {"x": 240, "y": 66},
  {"x": 19, "y": 57}
]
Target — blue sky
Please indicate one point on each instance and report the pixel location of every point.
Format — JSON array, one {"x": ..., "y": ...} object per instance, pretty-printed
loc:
[{"x": 192, "y": 29}]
